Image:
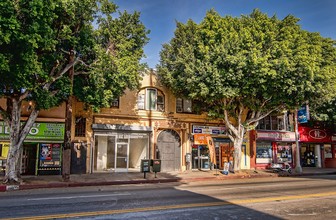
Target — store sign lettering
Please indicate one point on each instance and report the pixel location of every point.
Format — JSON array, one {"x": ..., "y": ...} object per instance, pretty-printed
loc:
[
  {"x": 4, "y": 129},
  {"x": 276, "y": 136},
  {"x": 54, "y": 131},
  {"x": 317, "y": 134},
  {"x": 196, "y": 129}
]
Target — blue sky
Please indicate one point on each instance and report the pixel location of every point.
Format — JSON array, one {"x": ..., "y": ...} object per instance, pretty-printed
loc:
[{"x": 160, "y": 16}]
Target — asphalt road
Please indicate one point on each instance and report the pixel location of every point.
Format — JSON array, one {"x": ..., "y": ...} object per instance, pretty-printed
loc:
[{"x": 261, "y": 198}]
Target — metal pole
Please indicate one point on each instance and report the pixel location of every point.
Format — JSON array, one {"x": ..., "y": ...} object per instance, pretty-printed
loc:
[{"x": 298, "y": 168}]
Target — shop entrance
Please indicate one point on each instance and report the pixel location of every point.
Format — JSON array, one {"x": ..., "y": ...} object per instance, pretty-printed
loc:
[
  {"x": 29, "y": 158},
  {"x": 226, "y": 150},
  {"x": 200, "y": 156},
  {"x": 122, "y": 155},
  {"x": 309, "y": 155}
]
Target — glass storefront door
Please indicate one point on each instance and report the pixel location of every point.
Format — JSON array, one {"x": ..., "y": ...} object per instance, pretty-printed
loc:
[
  {"x": 200, "y": 156},
  {"x": 122, "y": 156}
]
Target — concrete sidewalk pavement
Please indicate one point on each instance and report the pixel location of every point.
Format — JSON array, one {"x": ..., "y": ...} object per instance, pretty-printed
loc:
[{"x": 113, "y": 178}]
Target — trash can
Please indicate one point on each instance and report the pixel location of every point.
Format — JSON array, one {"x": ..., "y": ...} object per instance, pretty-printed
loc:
[{"x": 156, "y": 166}]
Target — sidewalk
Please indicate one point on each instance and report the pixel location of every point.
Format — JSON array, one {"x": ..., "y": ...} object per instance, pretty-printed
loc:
[{"x": 112, "y": 178}]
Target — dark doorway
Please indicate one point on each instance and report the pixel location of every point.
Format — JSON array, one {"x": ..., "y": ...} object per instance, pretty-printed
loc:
[
  {"x": 29, "y": 155},
  {"x": 78, "y": 158},
  {"x": 169, "y": 146}
]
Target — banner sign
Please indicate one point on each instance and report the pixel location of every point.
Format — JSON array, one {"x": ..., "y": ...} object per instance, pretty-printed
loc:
[
  {"x": 275, "y": 136},
  {"x": 308, "y": 134},
  {"x": 196, "y": 129},
  {"x": 39, "y": 131},
  {"x": 303, "y": 114},
  {"x": 201, "y": 139}
]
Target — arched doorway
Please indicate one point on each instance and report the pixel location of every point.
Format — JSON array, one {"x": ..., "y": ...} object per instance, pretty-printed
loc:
[{"x": 169, "y": 145}]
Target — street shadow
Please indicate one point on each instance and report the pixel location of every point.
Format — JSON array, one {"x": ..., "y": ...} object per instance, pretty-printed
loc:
[{"x": 141, "y": 201}]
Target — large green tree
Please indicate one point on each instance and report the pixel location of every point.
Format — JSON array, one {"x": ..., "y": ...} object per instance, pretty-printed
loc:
[
  {"x": 245, "y": 68},
  {"x": 41, "y": 40}
]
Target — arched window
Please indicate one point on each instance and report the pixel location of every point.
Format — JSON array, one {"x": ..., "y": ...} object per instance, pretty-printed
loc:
[{"x": 151, "y": 99}]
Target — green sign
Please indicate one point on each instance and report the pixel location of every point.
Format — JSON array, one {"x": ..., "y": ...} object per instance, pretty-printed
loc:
[{"x": 39, "y": 131}]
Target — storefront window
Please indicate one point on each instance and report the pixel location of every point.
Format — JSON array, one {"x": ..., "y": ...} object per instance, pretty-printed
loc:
[
  {"x": 264, "y": 153},
  {"x": 120, "y": 151},
  {"x": 327, "y": 151},
  {"x": 284, "y": 153}
]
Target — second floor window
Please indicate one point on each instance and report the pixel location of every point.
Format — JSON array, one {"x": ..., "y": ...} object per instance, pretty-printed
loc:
[
  {"x": 80, "y": 127},
  {"x": 115, "y": 103},
  {"x": 151, "y": 99},
  {"x": 278, "y": 123},
  {"x": 183, "y": 105}
]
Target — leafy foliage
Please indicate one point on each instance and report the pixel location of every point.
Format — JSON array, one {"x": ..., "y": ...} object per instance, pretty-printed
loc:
[
  {"x": 41, "y": 40},
  {"x": 247, "y": 67},
  {"x": 37, "y": 36}
]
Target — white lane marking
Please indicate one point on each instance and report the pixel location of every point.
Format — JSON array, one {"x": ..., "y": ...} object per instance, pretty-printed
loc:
[{"x": 74, "y": 197}]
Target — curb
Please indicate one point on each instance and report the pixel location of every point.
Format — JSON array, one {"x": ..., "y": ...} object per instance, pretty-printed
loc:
[{"x": 4, "y": 188}]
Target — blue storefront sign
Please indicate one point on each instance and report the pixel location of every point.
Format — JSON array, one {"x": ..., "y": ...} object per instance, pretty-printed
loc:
[{"x": 303, "y": 114}]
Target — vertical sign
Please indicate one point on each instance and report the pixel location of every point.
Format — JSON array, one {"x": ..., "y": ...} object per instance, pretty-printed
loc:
[{"x": 303, "y": 114}]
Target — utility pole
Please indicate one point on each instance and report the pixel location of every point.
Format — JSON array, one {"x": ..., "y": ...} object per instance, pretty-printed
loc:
[
  {"x": 66, "y": 153},
  {"x": 298, "y": 168}
]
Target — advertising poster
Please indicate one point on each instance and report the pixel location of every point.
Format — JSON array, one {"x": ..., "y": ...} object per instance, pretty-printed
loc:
[
  {"x": 45, "y": 152},
  {"x": 50, "y": 159}
]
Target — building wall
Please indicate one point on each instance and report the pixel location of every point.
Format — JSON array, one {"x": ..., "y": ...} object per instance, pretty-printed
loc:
[{"x": 129, "y": 114}]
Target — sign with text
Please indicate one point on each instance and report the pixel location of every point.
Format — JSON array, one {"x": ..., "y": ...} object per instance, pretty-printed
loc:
[
  {"x": 49, "y": 159},
  {"x": 201, "y": 139},
  {"x": 275, "y": 136},
  {"x": 308, "y": 134},
  {"x": 198, "y": 129},
  {"x": 39, "y": 131}
]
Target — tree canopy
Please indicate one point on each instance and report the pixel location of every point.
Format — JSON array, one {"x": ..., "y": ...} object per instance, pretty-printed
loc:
[
  {"x": 245, "y": 68},
  {"x": 41, "y": 40}
]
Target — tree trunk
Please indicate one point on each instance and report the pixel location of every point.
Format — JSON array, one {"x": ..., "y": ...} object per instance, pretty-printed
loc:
[
  {"x": 238, "y": 142},
  {"x": 68, "y": 122},
  {"x": 17, "y": 136},
  {"x": 67, "y": 142}
]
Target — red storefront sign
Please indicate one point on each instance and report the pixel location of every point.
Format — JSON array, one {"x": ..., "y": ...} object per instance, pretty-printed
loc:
[{"x": 308, "y": 134}]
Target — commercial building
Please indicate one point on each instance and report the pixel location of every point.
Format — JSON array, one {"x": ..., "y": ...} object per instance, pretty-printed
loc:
[
  {"x": 317, "y": 145},
  {"x": 42, "y": 148},
  {"x": 149, "y": 123}
]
